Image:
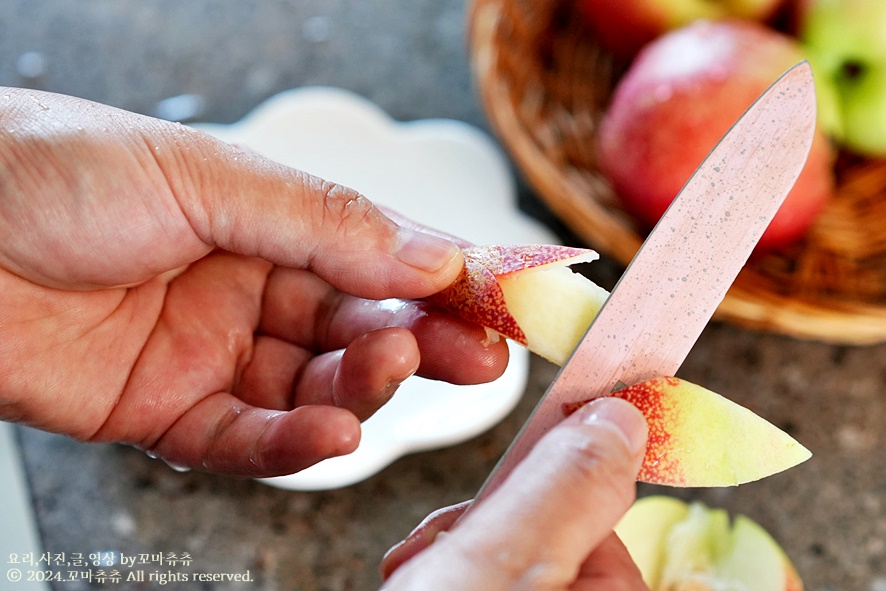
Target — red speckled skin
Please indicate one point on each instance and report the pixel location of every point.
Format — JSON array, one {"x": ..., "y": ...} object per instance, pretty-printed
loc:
[
  {"x": 476, "y": 295},
  {"x": 661, "y": 412}
]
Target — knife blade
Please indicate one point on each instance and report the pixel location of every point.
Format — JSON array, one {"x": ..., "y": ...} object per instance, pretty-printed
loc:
[{"x": 681, "y": 273}]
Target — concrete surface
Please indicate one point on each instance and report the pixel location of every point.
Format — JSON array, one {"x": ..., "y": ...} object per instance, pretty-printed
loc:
[{"x": 409, "y": 57}]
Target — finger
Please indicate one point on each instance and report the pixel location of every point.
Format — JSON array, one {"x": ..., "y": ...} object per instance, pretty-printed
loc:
[
  {"x": 571, "y": 490},
  {"x": 452, "y": 349},
  {"x": 268, "y": 379},
  {"x": 362, "y": 377},
  {"x": 303, "y": 309},
  {"x": 198, "y": 345},
  {"x": 181, "y": 192},
  {"x": 611, "y": 569},
  {"x": 558, "y": 505},
  {"x": 421, "y": 537},
  {"x": 609, "y": 558},
  {"x": 221, "y": 434},
  {"x": 242, "y": 202}
]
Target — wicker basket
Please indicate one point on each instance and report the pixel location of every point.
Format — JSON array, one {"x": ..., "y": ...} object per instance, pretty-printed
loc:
[{"x": 544, "y": 84}]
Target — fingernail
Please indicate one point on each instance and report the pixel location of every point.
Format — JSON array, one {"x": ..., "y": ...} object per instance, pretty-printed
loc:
[
  {"x": 622, "y": 415},
  {"x": 424, "y": 251}
]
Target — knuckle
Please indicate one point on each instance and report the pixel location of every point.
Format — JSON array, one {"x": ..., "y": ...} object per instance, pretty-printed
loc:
[{"x": 344, "y": 207}]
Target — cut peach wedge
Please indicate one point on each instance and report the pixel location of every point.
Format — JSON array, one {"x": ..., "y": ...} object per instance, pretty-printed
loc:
[
  {"x": 528, "y": 294},
  {"x": 698, "y": 438},
  {"x": 682, "y": 547}
]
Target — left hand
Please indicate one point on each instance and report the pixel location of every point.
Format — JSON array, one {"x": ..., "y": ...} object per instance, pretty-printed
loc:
[{"x": 224, "y": 312}]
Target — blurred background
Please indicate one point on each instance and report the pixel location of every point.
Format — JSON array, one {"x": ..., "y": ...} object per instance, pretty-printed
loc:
[{"x": 214, "y": 61}]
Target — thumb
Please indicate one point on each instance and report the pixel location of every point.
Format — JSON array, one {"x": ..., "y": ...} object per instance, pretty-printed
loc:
[
  {"x": 242, "y": 202},
  {"x": 574, "y": 486},
  {"x": 560, "y": 504}
]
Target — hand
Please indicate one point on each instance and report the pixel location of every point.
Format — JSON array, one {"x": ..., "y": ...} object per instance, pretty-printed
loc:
[
  {"x": 549, "y": 525},
  {"x": 164, "y": 289}
]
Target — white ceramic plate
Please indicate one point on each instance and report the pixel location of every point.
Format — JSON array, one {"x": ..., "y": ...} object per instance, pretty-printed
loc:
[{"x": 442, "y": 173}]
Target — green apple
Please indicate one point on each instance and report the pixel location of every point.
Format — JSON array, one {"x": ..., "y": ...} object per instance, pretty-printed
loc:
[
  {"x": 846, "y": 43},
  {"x": 624, "y": 26},
  {"x": 680, "y": 547}
]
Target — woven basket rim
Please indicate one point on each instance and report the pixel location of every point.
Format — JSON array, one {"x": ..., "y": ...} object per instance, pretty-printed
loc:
[{"x": 829, "y": 319}]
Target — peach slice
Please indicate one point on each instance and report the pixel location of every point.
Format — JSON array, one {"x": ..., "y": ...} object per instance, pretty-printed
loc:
[
  {"x": 698, "y": 438},
  {"x": 527, "y": 293},
  {"x": 683, "y": 547}
]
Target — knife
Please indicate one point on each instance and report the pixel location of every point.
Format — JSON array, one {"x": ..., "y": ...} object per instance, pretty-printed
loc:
[{"x": 683, "y": 270}]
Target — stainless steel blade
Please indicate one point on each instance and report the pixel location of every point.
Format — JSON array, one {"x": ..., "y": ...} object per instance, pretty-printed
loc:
[{"x": 668, "y": 293}]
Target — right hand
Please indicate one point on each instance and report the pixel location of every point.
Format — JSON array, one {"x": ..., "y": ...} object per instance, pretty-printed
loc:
[{"x": 548, "y": 527}]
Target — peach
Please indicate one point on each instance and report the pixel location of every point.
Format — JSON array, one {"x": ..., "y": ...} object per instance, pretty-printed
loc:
[
  {"x": 625, "y": 26},
  {"x": 526, "y": 293},
  {"x": 698, "y": 438},
  {"x": 681, "y": 95},
  {"x": 679, "y": 546}
]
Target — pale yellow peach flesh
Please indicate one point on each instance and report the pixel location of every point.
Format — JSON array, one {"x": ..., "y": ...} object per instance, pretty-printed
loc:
[
  {"x": 644, "y": 530},
  {"x": 683, "y": 547},
  {"x": 554, "y": 306},
  {"x": 698, "y": 438},
  {"x": 527, "y": 294}
]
